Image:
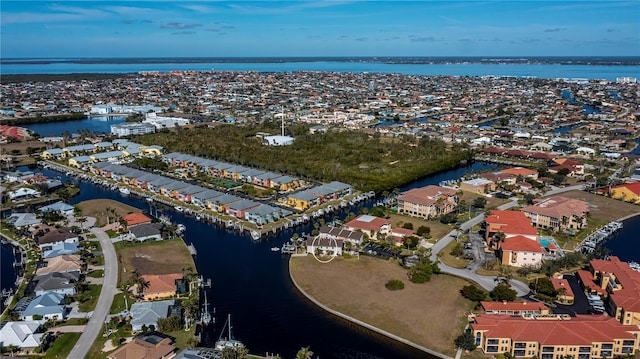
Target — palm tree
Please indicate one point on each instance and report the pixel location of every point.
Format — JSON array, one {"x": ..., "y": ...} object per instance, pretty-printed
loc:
[{"x": 304, "y": 353}]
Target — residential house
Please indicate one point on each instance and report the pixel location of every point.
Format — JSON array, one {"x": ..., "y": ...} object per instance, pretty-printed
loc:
[
  {"x": 369, "y": 225},
  {"x": 146, "y": 347},
  {"x": 61, "y": 264},
  {"x": 20, "y": 220},
  {"x": 514, "y": 308},
  {"x": 428, "y": 202},
  {"x": 136, "y": 218},
  {"x": 238, "y": 208},
  {"x": 23, "y": 193},
  {"x": 551, "y": 337},
  {"x": 573, "y": 167},
  {"x": 478, "y": 186},
  {"x": 56, "y": 282},
  {"x": 398, "y": 234},
  {"x": 324, "y": 245},
  {"x": 148, "y": 313},
  {"x": 160, "y": 286},
  {"x": 146, "y": 232},
  {"x": 59, "y": 207},
  {"x": 353, "y": 237},
  {"x": 558, "y": 213},
  {"x": 521, "y": 172},
  {"x": 520, "y": 251},
  {"x": 25, "y": 335},
  {"x": 48, "y": 306}
]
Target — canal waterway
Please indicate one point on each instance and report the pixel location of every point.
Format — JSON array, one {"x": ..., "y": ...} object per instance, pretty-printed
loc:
[{"x": 252, "y": 283}]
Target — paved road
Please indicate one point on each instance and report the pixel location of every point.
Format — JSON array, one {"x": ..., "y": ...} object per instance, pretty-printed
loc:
[
  {"x": 94, "y": 326},
  {"x": 486, "y": 282}
]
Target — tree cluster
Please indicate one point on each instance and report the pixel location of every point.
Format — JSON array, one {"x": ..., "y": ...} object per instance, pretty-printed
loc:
[{"x": 423, "y": 270}]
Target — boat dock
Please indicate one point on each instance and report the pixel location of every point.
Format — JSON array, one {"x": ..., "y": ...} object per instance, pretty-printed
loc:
[
  {"x": 589, "y": 244},
  {"x": 192, "y": 249}
]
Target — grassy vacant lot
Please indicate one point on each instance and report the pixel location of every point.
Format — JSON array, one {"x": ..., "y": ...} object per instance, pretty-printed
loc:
[
  {"x": 438, "y": 230},
  {"x": 97, "y": 208},
  {"x": 492, "y": 202},
  {"x": 430, "y": 314},
  {"x": 157, "y": 257}
]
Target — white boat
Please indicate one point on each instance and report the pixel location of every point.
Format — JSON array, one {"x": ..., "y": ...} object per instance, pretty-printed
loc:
[
  {"x": 149, "y": 199},
  {"x": 178, "y": 208},
  {"x": 275, "y": 249},
  {"x": 205, "y": 317},
  {"x": 228, "y": 342},
  {"x": 124, "y": 190},
  {"x": 230, "y": 224},
  {"x": 255, "y": 235}
]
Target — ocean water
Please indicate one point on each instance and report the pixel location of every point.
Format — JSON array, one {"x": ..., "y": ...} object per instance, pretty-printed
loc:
[{"x": 454, "y": 69}]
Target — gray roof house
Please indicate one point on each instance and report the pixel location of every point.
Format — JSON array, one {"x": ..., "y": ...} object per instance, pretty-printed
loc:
[
  {"x": 47, "y": 306},
  {"x": 61, "y": 283},
  {"x": 147, "y": 313},
  {"x": 148, "y": 231},
  {"x": 19, "y": 220},
  {"x": 23, "y": 334},
  {"x": 58, "y": 207}
]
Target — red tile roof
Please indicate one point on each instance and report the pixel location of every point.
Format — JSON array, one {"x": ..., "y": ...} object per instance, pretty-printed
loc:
[
  {"x": 136, "y": 218},
  {"x": 520, "y": 171},
  {"x": 161, "y": 283},
  {"x": 579, "y": 330},
  {"x": 558, "y": 206},
  {"x": 562, "y": 283},
  {"x": 366, "y": 222},
  {"x": 521, "y": 244},
  {"x": 427, "y": 195},
  {"x": 633, "y": 187},
  {"x": 511, "y": 222},
  {"x": 628, "y": 297}
]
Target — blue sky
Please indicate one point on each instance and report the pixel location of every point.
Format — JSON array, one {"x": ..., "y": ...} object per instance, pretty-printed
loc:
[{"x": 318, "y": 28}]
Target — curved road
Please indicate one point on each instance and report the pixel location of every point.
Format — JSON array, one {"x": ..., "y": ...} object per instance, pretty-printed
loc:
[
  {"x": 94, "y": 326},
  {"x": 486, "y": 282}
]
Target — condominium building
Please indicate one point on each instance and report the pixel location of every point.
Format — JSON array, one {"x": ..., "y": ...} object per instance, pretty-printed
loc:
[
  {"x": 554, "y": 336},
  {"x": 558, "y": 213},
  {"x": 133, "y": 128},
  {"x": 428, "y": 202}
]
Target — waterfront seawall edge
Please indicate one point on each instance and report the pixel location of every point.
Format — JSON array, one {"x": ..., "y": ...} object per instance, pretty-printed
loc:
[{"x": 363, "y": 324}]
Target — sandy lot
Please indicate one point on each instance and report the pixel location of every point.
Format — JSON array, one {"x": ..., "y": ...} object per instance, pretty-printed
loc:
[
  {"x": 430, "y": 314},
  {"x": 161, "y": 257},
  {"x": 604, "y": 207}
]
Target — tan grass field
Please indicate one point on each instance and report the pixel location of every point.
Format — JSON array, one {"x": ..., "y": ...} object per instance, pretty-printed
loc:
[
  {"x": 430, "y": 314},
  {"x": 605, "y": 208},
  {"x": 162, "y": 257},
  {"x": 437, "y": 229},
  {"x": 97, "y": 208}
]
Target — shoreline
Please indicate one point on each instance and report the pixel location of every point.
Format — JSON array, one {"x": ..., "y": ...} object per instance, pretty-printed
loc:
[{"x": 361, "y": 323}]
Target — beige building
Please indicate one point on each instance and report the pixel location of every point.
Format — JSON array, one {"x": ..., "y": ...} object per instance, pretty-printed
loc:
[
  {"x": 428, "y": 202},
  {"x": 558, "y": 213}
]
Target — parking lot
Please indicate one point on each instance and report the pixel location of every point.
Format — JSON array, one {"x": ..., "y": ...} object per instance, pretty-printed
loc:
[
  {"x": 376, "y": 250},
  {"x": 580, "y": 305}
]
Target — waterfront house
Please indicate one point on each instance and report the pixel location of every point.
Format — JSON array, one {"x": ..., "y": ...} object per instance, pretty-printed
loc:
[
  {"x": 146, "y": 346},
  {"x": 286, "y": 183},
  {"x": 514, "y": 308},
  {"x": 135, "y": 218},
  {"x": 148, "y": 313},
  {"x": 520, "y": 251},
  {"x": 59, "y": 207},
  {"x": 369, "y": 225},
  {"x": 61, "y": 264},
  {"x": 511, "y": 223},
  {"x": 25, "y": 335},
  {"x": 20, "y": 220},
  {"x": 53, "y": 154},
  {"x": 238, "y": 208},
  {"x": 554, "y": 336},
  {"x": 521, "y": 172},
  {"x": 186, "y": 194},
  {"x": 205, "y": 198},
  {"x": 428, "y": 202},
  {"x": 324, "y": 245},
  {"x": 479, "y": 186},
  {"x": 264, "y": 214},
  {"x": 345, "y": 235},
  {"x": 331, "y": 191},
  {"x": 302, "y": 200},
  {"x": 221, "y": 203},
  {"x": 23, "y": 193},
  {"x": 616, "y": 280},
  {"x": 48, "y": 306},
  {"x": 160, "y": 286},
  {"x": 146, "y": 232},
  {"x": 558, "y": 213}
]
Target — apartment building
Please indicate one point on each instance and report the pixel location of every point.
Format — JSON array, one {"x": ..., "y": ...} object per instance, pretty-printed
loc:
[
  {"x": 428, "y": 202},
  {"x": 558, "y": 213}
]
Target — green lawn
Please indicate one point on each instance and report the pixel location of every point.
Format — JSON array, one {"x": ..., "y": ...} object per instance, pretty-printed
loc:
[
  {"x": 446, "y": 257},
  {"x": 98, "y": 273},
  {"x": 118, "y": 303},
  {"x": 76, "y": 321},
  {"x": 87, "y": 300},
  {"x": 62, "y": 345},
  {"x": 183, "y": 337},
  {"x": 97, "y": 261}
]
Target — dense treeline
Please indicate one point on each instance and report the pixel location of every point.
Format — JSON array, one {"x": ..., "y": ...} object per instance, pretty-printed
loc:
[
  {"x": 368, "y": 162},
  {"x": 19, "y": 78},
  {"x": 43, "y": 119}
]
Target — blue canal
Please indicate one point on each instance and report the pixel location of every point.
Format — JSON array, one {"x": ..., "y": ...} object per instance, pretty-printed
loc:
[
  {"x": 252, "y": 283},
  {"x": 93, "y": 124}
]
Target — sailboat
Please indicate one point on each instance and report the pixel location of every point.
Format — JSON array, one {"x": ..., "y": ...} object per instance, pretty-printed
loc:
[
  {"x": 205, "y": 316},
  {"x": 227, "y": 342}
]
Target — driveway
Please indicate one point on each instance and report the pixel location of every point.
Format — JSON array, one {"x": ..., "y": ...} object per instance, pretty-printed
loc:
[
  {"x": 580, "y": 304},
  {"x": 94, "y": 326}
]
